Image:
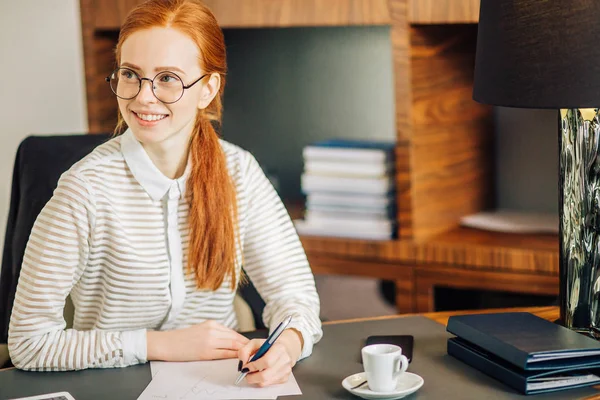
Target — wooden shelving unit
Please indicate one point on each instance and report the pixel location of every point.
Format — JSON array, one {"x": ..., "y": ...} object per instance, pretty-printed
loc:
[
  {"x": 444, "y": 139},
  {"x": 459, "y": 258},
  {"x": 266, "y": 13}
]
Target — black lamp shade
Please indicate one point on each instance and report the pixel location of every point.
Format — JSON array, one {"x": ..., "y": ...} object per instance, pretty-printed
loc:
[{"x": 538, "y": 54}]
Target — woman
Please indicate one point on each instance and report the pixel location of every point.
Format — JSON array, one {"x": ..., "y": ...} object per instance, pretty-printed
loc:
[{"x": 148, "y": 233}]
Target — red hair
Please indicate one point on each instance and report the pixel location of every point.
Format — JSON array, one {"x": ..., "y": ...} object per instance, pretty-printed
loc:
[{"x": 210, "y": 189}]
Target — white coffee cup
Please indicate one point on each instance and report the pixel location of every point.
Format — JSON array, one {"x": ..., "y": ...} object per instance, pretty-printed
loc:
[{"x": 384, "y": 363}]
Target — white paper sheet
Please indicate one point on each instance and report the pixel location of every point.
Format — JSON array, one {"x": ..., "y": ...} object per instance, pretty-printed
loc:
[
  {"x": 207, "y": 380},
  {"x": 512, "y": 221}
]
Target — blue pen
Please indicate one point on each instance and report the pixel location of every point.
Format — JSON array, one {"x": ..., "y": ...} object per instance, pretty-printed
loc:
[{"x": 266, "y": 345}]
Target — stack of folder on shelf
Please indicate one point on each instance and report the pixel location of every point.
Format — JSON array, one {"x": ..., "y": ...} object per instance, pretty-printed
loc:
[
  {"x": 526, "y": 352},
  {"x": 350, "y": 189}
]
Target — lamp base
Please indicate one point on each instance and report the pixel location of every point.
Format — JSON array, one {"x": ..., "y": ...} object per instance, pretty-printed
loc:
[
  {"x": 579, "y": 267},
  {"x": 593, "y": 333}
]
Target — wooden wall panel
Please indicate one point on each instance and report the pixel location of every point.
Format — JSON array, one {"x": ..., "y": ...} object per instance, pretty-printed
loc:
[
  {"x": 404, "y": 216},
  {"x": 105, "y": 115},
  {"x": 451, "y": 152},
  {"x": 443, "y": 11},
  {"x": 98, "y": 58},
  {"x": 107, "y": 14},
  {"x": 267, "y": 13},
  {"x": 399, "y": 36},
  {"x": 406, "y": 299},
  {"x": 87, "y": 10},
  {"x": 282, "y": 13}
]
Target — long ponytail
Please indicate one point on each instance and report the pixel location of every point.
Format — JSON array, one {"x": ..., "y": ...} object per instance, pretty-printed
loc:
[{"x": 213, "y": 210}]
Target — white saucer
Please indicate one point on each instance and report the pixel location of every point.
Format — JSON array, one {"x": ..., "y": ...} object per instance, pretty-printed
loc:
[{"x": 407, "y": 384}]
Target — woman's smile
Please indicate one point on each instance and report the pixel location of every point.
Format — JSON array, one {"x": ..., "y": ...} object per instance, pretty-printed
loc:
[{"x": 149, "y": 119}]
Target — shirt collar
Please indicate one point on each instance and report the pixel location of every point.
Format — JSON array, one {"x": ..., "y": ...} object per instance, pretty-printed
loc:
[{"x": 154, "y": 182}]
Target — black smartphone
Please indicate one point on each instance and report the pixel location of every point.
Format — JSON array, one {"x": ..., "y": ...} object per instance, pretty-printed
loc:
[{"x": 404, "y": 341}]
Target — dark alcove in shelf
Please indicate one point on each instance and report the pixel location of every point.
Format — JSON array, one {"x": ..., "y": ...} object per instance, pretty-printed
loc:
[
  {"x": 450, "y": 299},
  {"x": 289, "y": 87}
]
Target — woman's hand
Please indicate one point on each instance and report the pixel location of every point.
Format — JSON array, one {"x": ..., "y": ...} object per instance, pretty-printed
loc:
[
  {"x": 206, "y": 341},
  {"x": 276, "y": 365}
]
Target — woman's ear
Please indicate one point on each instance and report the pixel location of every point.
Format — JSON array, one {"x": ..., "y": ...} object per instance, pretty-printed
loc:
[{"x": 209, "y": 90}]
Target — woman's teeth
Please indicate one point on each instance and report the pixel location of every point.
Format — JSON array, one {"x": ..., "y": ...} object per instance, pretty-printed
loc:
[{"x": 151, "y": 117}]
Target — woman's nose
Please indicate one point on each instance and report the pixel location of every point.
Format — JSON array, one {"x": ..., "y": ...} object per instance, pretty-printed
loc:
[{"x": 146, "y": 95}]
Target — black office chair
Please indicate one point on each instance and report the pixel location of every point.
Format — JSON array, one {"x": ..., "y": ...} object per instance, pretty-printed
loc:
[{"x": 39, "y": 163}]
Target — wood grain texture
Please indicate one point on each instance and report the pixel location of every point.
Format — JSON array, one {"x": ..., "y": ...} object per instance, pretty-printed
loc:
[
  {"x": 87, "y": 10},
  {"x": 99, "y": 61},
  {"x": 443, "y": 11},
  {"x": 104, "y": 117},
  {"x": 267, "y": 13},
  {"x": 400, "y": 40},
  {"x": 352, "y": 266},
  {"x": 461, "y": 247},
  {"x": 106, "y": 15},
  {"x": 428, "y": 277},
  {"x": 451, "y": 139},
  {"x": 472, "y": 248},
  {"x": 404, "y": 199},
  {"x": 406, "y": 299}
]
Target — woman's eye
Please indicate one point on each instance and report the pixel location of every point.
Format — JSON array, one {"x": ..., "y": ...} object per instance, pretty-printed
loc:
[
  {"x": 167, "y": 78},
  {"x": 127, "y": 74}
]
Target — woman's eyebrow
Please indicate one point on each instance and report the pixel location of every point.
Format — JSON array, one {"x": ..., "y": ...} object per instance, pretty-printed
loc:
[
  {"x": 157, "y": 69},
  {"x": 171, "y": 68},
  {"x": 129, "y": 65}
]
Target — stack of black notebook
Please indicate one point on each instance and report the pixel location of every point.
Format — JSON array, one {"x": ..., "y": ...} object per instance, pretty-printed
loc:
[{"x": 524, "y": 351}]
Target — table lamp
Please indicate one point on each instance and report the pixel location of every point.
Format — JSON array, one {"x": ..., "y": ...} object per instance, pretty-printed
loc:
[{"x": 546, "y": 54}]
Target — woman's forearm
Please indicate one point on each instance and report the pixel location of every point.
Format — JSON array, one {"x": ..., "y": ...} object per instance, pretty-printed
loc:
[
  {"x": 208, "y": 340},
  {"x": 93, "y": 349},
  {"x": 154, "y": 340}
]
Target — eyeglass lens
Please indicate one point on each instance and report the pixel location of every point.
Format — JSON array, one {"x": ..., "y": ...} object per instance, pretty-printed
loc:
[{"x": 126, "y": 84}]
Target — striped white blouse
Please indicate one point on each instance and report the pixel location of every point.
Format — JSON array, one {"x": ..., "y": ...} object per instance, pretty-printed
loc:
[{"x": 115, "y": 236}]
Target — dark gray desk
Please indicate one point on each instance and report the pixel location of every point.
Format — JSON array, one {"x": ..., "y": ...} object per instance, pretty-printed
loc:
[{"x": 319, "y": 376}]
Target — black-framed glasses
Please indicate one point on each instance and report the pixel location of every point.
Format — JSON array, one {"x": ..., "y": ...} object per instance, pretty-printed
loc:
[{"x": 166, "y": 86}]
